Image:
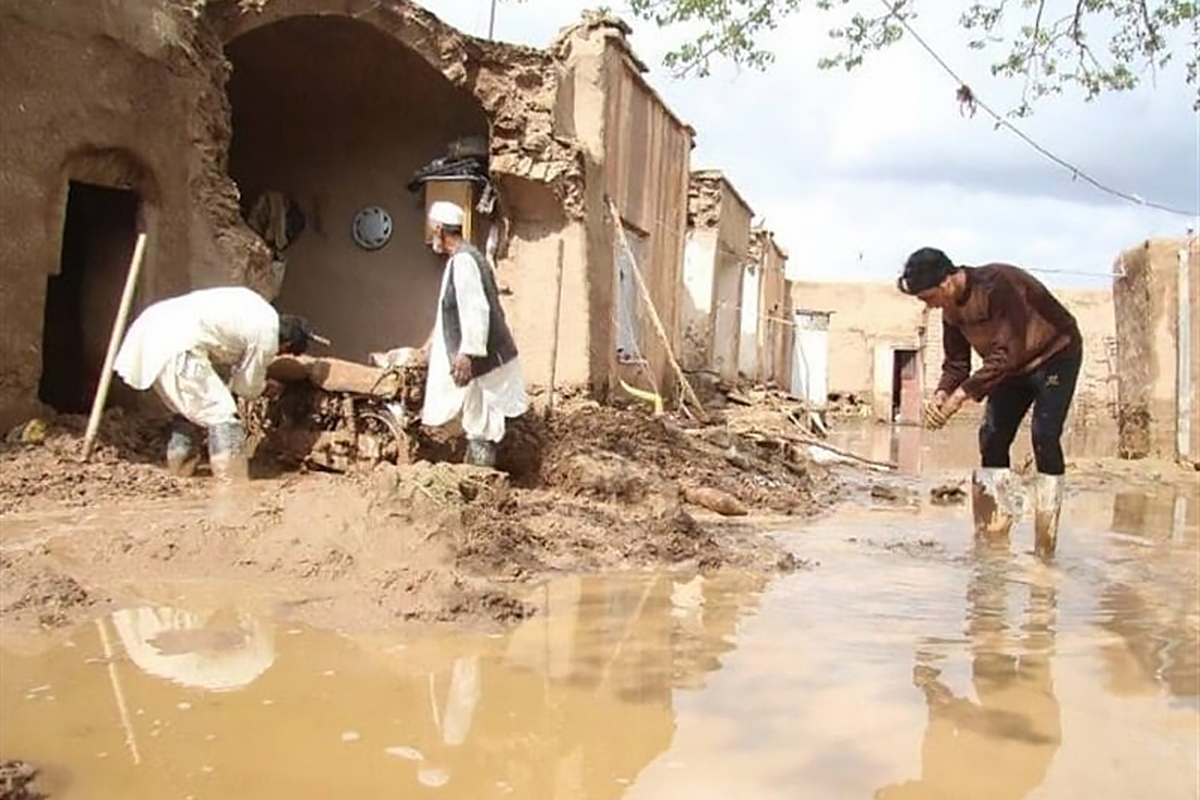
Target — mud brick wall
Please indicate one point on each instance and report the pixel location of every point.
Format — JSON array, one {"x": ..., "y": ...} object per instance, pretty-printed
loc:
[{"x": 1145, "y": 294}]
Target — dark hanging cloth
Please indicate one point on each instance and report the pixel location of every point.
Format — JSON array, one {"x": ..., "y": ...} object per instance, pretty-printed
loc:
[{"x": 472, "y": 168}]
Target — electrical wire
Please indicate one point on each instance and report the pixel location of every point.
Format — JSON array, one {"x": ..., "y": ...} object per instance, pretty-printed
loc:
[{"x": 1001, "y": 121}]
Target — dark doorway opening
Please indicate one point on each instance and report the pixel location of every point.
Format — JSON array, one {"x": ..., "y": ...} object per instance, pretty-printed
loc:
[
  {"x": 81, "y": 300},
  {"x": 906, "y": 387}
]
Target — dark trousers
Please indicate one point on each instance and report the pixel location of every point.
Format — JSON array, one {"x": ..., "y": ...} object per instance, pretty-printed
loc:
[{"x": 1049, "y": 390}]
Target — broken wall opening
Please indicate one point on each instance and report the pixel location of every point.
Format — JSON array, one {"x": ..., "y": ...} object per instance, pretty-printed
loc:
[
  {"x": 727, "y": 308},
  {"x": 906, "y": 387},
  {"x": 338, "y": 116},
  {"x": 99, "y": 232}
]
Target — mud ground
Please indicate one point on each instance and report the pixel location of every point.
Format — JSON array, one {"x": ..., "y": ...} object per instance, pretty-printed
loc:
[{"x": 596, "y": 488}]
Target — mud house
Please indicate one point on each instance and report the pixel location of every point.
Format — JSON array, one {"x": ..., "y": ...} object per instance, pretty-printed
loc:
[
  {"x": 775, "y": 330},
  {"x": 1156, "y": 290},
  {"x": 294, "y": 146},
  {"x": 716, "y": 256},
  {"x": 885, "y": 349}
]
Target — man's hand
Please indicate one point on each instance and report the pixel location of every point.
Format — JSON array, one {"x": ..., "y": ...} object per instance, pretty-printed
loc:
[
  {"x": 273, "y": 389},
  {"x": 460, "y": 369},
  {"x": 939, "y": 411}
]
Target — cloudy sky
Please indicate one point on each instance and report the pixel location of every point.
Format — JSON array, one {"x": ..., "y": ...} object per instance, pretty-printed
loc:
[{"x": 855, "y": 170}]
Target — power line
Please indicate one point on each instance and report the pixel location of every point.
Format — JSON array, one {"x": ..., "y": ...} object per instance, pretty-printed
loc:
[{"x": 973, "y": 100}]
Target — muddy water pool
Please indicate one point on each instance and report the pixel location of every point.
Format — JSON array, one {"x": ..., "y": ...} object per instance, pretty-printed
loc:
[{"x": 905, "y": 662}]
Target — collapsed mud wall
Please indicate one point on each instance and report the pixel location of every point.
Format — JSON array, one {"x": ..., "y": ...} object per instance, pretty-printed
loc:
[
  {"x": 535, "y": 165},
  {"x": 134, "y": 93},
  {"x": 118, "y": 94},
  {"x": 1146, "y": 299},
  {"x": 775, "y": 319},
  {"x": 515, "y": 86},
  {"x": 705, "y": 199},
  {"x": 640, "y": 150},
  {"x": 701, "y": 252},
  {"x": 719, "y": 222}
]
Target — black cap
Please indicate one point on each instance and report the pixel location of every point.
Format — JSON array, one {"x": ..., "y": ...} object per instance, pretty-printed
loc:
[
  {"x": 923, "y": 270},
  {"x": 295, "y": 334}
]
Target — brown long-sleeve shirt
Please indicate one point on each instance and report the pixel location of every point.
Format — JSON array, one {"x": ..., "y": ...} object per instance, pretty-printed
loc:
[{"x": 1011, "y": 320}]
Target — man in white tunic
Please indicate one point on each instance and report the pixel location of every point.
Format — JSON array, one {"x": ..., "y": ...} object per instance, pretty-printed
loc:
[
  {"x": 473, "y": 366},
  {"x": 176, "y": 345}
]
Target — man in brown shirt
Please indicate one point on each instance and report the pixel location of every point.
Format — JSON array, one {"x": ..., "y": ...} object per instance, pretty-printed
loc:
[{"x": 1031, "y": 350}]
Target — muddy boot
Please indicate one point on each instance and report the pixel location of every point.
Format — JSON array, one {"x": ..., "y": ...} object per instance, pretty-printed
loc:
[
  {"x": 181, "y": 453},
  {"x": 481, "y": 453},
  {"x": 991, "y": 504},
  {"x": 227, "y": 452},
  {"x": 1047, "y": 502}
]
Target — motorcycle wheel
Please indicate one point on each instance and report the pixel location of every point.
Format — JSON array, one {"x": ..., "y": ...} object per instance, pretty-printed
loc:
[{"x": 393, "y": 441}]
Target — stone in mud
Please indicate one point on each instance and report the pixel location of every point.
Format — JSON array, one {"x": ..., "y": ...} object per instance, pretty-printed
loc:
[
  {"x": 948, "y": 494},
  {"x": 723, "y": 503},
  {"x": 16, "y": 779},
  {"x": 890, "y": 494}
]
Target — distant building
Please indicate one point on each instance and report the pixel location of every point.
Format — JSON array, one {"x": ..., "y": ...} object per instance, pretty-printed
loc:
[{"x": 885, "y": 349}]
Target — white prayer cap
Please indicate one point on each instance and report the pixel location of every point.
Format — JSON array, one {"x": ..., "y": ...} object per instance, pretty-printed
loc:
[{"x": 443, "y": 212}]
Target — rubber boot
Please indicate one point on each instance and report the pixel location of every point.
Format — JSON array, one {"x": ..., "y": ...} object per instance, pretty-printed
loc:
[
  {"x": 481, "y": 453},
  {"x": 1047, "y": 503},
  {"x": 181, "y": 454},
  {"x": 227, "y": 452},
  {"x": 991, "y": 504}
]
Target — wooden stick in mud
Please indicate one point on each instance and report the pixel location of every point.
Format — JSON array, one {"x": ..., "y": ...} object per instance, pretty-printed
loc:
[
  {"x": 114, "y": 341},
  {"x": 688, "y": 392},
  {"x": 824, "y": 446},
  {"x": 118, "y": 694},
  {"x": 557, "y": 316}
]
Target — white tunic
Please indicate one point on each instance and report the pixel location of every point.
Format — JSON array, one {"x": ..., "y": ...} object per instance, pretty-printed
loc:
[
  {"x": 174, "y": 344},
  {"x": 486, "y": 401}
]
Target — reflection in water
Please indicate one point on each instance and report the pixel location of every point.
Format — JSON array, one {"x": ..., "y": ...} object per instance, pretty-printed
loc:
[
  {"x": 216, "y": 651},
  {"x": 1151, "y": 607},
  {"x": 1076, "y": 679},
  {"x": 572, "y": 703},
  {"x": 916, "y": 451},
  {"x": 999, "y": 747}
]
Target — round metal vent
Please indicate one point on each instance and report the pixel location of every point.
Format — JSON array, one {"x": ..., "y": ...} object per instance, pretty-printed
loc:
[{"x": 372, "y": 228}]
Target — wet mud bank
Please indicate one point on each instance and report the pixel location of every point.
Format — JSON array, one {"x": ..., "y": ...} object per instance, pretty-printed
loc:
[{"x": 597, "y": 489}]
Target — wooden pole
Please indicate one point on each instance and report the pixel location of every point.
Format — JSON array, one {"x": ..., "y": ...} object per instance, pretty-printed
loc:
[
  {"x": 114, "y": 341},
  {"x": 688, "y": 392},
  {"x": 118, "y": 695},
  {"x": 554, "y": 341},
  {"x": 813, "y": 442}
]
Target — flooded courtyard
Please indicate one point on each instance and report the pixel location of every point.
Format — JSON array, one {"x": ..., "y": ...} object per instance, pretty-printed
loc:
[{"x": 902, "y": 661}]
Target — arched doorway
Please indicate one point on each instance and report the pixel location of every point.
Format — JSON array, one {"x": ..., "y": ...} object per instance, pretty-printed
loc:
[
  {"x": 108, "y": 196},
  {"x": 338, "y": 115}
]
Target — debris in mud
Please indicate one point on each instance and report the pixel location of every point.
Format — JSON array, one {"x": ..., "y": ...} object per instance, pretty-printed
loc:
[
  {"x": 768, "y": 475},
  {"x": 53, "y": 597},
  {"x": 948, "y": 494},
  {"x": 910, "y": 547},
  {"x": 715, "y": 500},
  {"x": 891, "y": 494},
  {"x": 430, "y": 542},
  {"x": 16, "y": 779},
  {"x": 126, "y": 463}
]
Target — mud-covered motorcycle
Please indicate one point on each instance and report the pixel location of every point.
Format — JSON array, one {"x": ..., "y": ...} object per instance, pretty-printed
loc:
[{"x": 338, "y": 415}]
